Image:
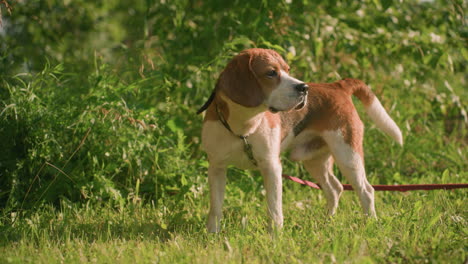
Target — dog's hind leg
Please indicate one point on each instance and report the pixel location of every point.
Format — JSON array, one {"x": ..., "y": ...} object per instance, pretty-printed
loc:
[
  {"x": 321, "y": 169},
  {"x": 351, "y": 164}
]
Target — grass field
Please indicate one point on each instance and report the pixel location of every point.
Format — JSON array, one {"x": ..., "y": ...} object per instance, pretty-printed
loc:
[
  {"x": 419, "y": 227},
  {"x": 100, "y": 158}
]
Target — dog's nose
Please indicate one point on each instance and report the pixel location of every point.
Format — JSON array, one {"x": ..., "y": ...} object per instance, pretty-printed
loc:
[{"x": 302, "y": 87}]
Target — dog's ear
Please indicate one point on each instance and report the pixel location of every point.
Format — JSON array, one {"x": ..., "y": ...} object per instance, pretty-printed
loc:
[{"x": 239, "y": 82}]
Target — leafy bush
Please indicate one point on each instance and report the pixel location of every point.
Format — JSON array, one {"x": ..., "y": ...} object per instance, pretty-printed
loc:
[{"x": 98, "y": 99}]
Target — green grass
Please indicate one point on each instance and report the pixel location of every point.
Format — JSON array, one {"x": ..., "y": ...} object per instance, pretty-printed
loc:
[{"x": 417, "y": 227}]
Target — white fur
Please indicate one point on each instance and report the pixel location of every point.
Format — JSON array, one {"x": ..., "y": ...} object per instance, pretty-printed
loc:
[
  {"x": 222, "y": 147},
  {"x": 225, "y": 149},
  {"x": 246, "y": 120},
  {"x": 383, "y": 121},
  {"x": 352, "y": 166},
  {"x": 285, "y": 96},
  {"x": 321, "y": 168}
]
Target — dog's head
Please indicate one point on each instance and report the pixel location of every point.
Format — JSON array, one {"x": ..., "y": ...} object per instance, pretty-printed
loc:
[{"x": 261, "y": 77}]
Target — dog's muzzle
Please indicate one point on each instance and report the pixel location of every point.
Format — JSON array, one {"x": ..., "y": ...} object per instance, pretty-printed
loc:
[
  {"x": 301, "y": 90},
  {"x": 300, "y": 105}
]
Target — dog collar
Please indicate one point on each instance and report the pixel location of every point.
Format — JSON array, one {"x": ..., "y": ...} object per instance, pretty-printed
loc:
[{"x": 247, "y": 146}]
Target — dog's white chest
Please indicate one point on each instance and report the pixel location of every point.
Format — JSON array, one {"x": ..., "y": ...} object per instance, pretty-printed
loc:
[{"x": 223, "y": 148}]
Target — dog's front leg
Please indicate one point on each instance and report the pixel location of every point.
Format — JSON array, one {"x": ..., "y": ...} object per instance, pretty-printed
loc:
[
  {"x": 217, "y": 182},
  {"x": 271, "y": 172}
]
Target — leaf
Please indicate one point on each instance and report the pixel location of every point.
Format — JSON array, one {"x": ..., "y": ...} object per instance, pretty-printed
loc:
[
  {"x": 172, "y": 125},
  {"x": 183, "y": 180},
  {"x": 318, "y": 47},
  {"x": 434, "y": 220},
  {"x": 427, "y": 58},
  {"x": 445, "y": 176}
]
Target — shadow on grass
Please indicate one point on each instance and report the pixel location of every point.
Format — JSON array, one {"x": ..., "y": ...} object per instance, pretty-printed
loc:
[{"x": 102, "y": 230}]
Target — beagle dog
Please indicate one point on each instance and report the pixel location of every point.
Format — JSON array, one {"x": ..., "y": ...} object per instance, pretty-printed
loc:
[{"x": 257, "y": 110}]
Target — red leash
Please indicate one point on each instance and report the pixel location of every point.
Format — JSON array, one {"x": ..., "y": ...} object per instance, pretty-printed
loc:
[{"x": 400, "y": 188}]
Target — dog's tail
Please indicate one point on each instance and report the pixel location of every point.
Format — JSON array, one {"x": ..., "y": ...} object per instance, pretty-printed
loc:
[
  {"x": 375, "y": 109},
  {"x": 207, "y": 103}
]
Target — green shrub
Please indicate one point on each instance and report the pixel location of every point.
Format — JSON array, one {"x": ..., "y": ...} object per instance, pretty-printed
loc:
[{"x": 98, "y": 100}]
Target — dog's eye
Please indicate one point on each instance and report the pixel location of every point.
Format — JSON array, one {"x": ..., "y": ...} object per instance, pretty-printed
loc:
[{"x": 272, "y": 74}]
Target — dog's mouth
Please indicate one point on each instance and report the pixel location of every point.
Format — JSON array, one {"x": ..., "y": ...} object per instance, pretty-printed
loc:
[
  {"x": 273, "y": 110},
  {"x": 299, "y": 106}
]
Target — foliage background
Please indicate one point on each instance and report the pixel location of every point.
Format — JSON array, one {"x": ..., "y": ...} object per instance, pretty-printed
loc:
[
  {"x": 98, "y": 98},
  {"x": 100, "y": 156}
]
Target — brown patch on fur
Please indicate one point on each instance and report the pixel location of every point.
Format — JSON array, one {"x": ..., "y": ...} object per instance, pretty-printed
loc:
[
  {"x": 315, "y": 143},
  {"x": 360, "y": 90},
  {"x": 330, "y": 107},
  {"x": 290, "y": 119},
  {"x": 334, "y": 110},
  {"x": 245, "y": 80},
  {"x": 264, "y": 61},
  {"x": 239, "y": 83}
]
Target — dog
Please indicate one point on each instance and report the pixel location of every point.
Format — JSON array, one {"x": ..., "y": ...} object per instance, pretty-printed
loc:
[{"x": 258, "y": 110}]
